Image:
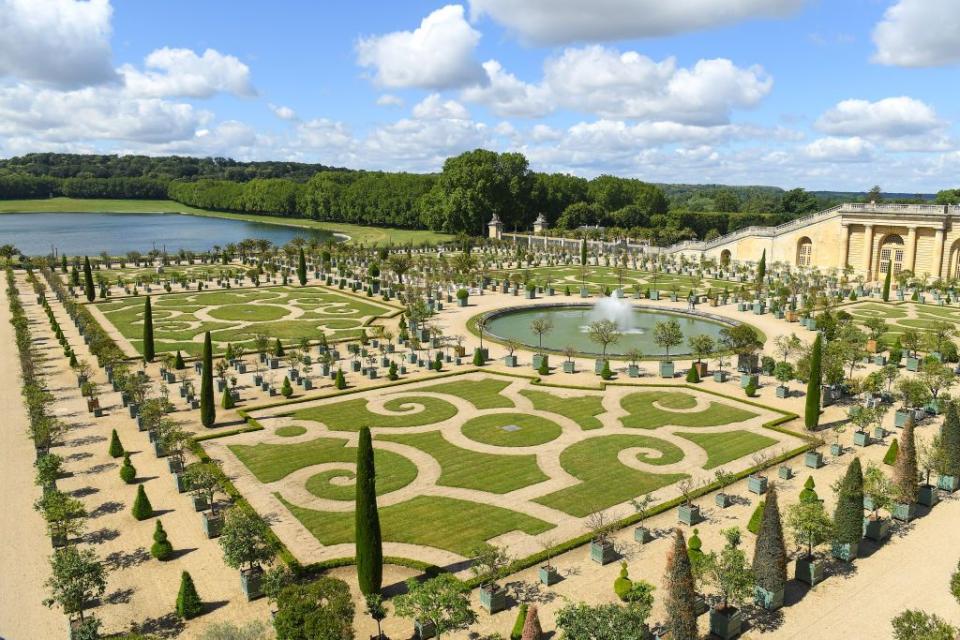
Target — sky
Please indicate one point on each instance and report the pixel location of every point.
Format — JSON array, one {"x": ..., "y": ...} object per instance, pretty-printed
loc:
[{"x": 820, "y": 94}]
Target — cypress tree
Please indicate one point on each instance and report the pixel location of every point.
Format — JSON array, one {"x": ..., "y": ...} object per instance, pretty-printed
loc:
[
  {"x": 189, "y": 604},
  {"x": 161, "y": 548},
  {"x": 848, "y": 516},
  {"x": 88, "y": 289},
  {"x": 762, "y": 268},
  {"x": 756, "y": 518},
  {"x": 142, "y": 509},
  {"x": 178, "y": 361},
  {"x": 811, "y": 413},
  {"x": 367, "y": 519},
  {"x": 116, "y": 449},
  {"x": 340, "y": 382},
  {"x": 905, "y": 468},
  {"x": 302, "y": 268},
  {"x": 208, "y": 410},
  {"x": 950, "y": 441},
  {"x": 226, "y": 400},
  {"x": 531, "y": 628},
  {"x": 681, "y": 592},
  {"x": 278, "y": 349},
  {"x": 518, "y": 622},
  {"x": 583, "y": 252},
  {"x": 886, "y": 286},
  {"x": 63, "y": 263},
  {"x": 74, "y": 276},
  {"x": 770, "y": 552},
  {"x": 148, "y": 348}
]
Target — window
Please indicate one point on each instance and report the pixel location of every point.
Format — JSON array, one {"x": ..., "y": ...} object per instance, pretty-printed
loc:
[{"x": 805, "y": 253}]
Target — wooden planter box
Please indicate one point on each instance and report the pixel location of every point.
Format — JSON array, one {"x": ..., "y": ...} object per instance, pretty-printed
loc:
[
  {"x": 783, "y": 392},
  {"x": 493, "y": 599},
  {"x": 903, "y": 512},
  {"x": 642, "y": 535},
  {"x": 719, "y": 376},
  {"x": 784, "y": 472},
  {"x": 726, "y": 624},
  {"x": 948, "y": 483},
  {"x": 602, "y": 552},
  {"x": 569, "y": 366},
  {"x": 250, "y": 582},
  {"x": 757, "y": 484},
  {"x": 861, "y": 438},
  {"x": 928, "y": 495},
  {"x": 666, "y": 368},
  {"x": 846, "y": 551},
  {"x": 769, "y": 600},
  {"x": 689, "y": 514},
  {"x": 549, "y": 575},
  {"x": 722, "y": 500},
  {"x": 212, "y": 525},
  {"x": 701, "y": 368},
  {"x": 813, "y": 459},
  {"x": 876, "y": 529},
  {"x": 809, "y": 571}
]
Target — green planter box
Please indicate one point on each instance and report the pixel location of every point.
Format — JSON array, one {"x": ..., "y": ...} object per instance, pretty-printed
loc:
[
  {"x": 549, "y": 575},
  {"x": 602, "y": 552},
  {"x": 757, "y": 485},
  {"x": 569, "y": 366},
  {"x": 903, "y": 512},
  {"x": 809, "y": 571},
  {"x": 746, "y": 379},
  {"x": 769, "y": 600},
  {"x": 539, "y": 359},
  {"x": 913, "y": 364},
  {"x": 633, "y": 370},
  {"x": 783, "y": 392},
  {"x": 598, "y": 365},
  {"x": 928, "y": 495},
  {"x": 900, "y": 417},
  {"x": 836, "y": 449},
  {"x": 726, "y": 624},
  {"x": 719, "y": 376},
  {"x": 880, "y": 360},
  {"x": 493, "y": 599},
  {"x": 861, "y": 438},
  {"x": 200, "y": 503},
  {"x": 250, "y": 582},
  {"x": 181, "y": 481},
  {"x": 846, "y": 551},
  {"x": 784, "y": 472},
  {"x": 642, "y": 535},
  {"x": 510, "y": 361},
  {"x": 689, "y": 514},
  {"x": 877, "y": 530},
  {"x": 948, "y": 483},
  {"x": 424, "y": 630},
  {"x": 813, "y": 459},
  {"x": 666, "y": 369},
  {"x": 212, "y": 525},
  {"x": 722, "y": 500}
]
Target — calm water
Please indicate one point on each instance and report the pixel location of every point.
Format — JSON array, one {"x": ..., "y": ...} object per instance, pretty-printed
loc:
[
  {"x": 570, "y": 329},
  {"x": 118, "y": 233}
]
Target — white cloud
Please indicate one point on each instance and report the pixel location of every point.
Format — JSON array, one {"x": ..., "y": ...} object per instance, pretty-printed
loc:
[
  {"x": 439, "y": 54},
  {"x": 888, "y": 118},
  {"x": 565, "y": 21},
  {"x": 508, "y": 96},
  {"x": 63, "y": 43},
  {"x": 433, "y": 107},
  {"x": 282, "y": 112},
  {"x": 919, "y": 33},
  {"x": 833, "y": 149},
  {"x": 182, "y": 73},
  {"x": 389, "y": 100}
]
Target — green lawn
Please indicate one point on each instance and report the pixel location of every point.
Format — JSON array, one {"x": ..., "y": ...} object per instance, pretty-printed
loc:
[
  {"x": 470, "y": 469},
  {"x": 290, "y": 432},
  {"x": 426, "y": 520},
  {"x": 237, "y": 316},
  {"x": 272, "y": 462},
  {"x": 350, "y": 415},
  {"x": 357, "y": 233},
  {"x": 582, "y": 410},
  {"x": 483, "y": 394},
  {"x": 393, "y": 472},
  {"x": 604, "y": 480},
  {"x": 644, "y": 415},
  {"x": 511, "y": 430},
  {"x": 728, "y": 446}
]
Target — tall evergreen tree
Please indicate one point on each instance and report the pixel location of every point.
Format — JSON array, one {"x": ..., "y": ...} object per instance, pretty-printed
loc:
[
  {"x": 770, "y": 552},
  {"x": 950, "y": 441},
  {"x": 148, "y": 347},
  {"x": 905, "y": 469},
  {"x": 208, "y": 410},
  {"x": 681, "y": 592},
  {"x": 88, "y": 289},
  {"x": 367, "y": 520},
  {"x": 886, "y": 286},
  {"x": 848, "y": 516},
  {"x": 762, "y": 268},
  {"x": 811, "y": 413},
  {"x": 142, "y": 509},
  {"x": 302, "y": 268}
]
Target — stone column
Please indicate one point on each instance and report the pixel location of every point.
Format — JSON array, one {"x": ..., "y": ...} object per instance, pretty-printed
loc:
[
  {"x": 909, "y": 260},
  {"x": 938, "y": 254},
  {"x": 845, "y": 251},
  {"x": 868, "y": 251}
]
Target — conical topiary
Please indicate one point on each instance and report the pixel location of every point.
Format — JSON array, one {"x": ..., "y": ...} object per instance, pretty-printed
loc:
[
  {"x": 178, "y": 361},
  {"x": 340, "y": 382},
  {"x": 531, "y": 627},
  {"x": 808, "y": 494},
  {"x": 278, "y": 351},
  {"x": 142, "y": 509},
  {"x": 905, "y": 468},
  {"x": 681, "y": 594},
  {"x": 517, "y": 632},
  {"x": 890, "y": 456},
  {"x": 128, "y": 472},
  {"x": 189, "y": 604},
  {"x": 753, "y": 526},
  {"x": 848, "y": 515},
  {"x": 161, "y": 548},
  {"x": 286, "y": 390},
  {"x": 116, "y": 449},
  {"x": 226, "y": 400},
  {"x": 770, "y": 552}
]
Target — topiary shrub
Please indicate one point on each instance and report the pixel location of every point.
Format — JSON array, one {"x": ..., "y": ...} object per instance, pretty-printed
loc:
[
  {"x": 116, "y": 449},
  {"x": 286, "y": 390},
  {"x": 178, "y": 361},
  {"x": 142, "y": 509},
  {"x": 188, "y": 604},
  {"x": 438, "y": 362},
  {"x": 693, "y": 376},
  {"x": 478, "y": 358},
  {"x": 517, "y": 632},
  {"x": 756, "y": 518},
  {"x": 808, "y": 494},
  {"x": 544, "y": 369},
  {"x": 767, "y": 365},
  {"x": 392, "y": 371},
  {"x": 751, "y": 389},
  {"x": 623, "y": 585},
  {"x": 226, "y": 400},
  {"x": 340, "y": 382},
  {"x": 161, "y": 548},
  {"x": 890, "y": 457},
  {"x": 128, "y": 472},
  {"x": 566, "y": 290},
  {"x": 606, "y": 373}
]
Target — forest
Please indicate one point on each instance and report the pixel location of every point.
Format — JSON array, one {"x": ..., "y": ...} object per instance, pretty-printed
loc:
[{"x": 461, "y": 198}]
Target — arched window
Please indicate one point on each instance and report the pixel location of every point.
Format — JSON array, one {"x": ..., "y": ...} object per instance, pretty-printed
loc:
[
  {"x": 804, "y": 252},
  {"x": 891, "y": 254},
  {"x": 725, "y": 257}
]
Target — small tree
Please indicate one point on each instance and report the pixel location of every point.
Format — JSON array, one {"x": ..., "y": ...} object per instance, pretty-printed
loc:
[
  {"x": 64, "y": 515},
  {"x": 161, "y": 548},
  {"x": 116, "y": 449},
  {"x": 905, "y": 470},
  {"x": 321, "y": 609},
  {"x": 701, "y": 346},
  {"x": 77, "y": 577},
  {"x": 770, "y": 551},
  {"x": 376, "y": 610},
  {"x": 604, "y": 333},
  {"x": 919, "y": 625},
  {"x": 189, "y": 605},
  {"x": 605, "y": 621},
  {"x": 148, "y": 347},
  {"x": 811, "y": 414},
  {"x": 142, "y": 509},
  {"x": 245, "y": 540},
  {"x": 667, "y": 334},
  {"x": 203, "y": 478},
  {"x": 489, "y": 564},
  {"x": 810, "y": 524},
  {"x": 730, "y": 572},
  {"x": 681, "y": 592},
  {"x": 541, "y": 327},
  {"x": 848, "y": 516},
  {"x": 442, "y": 601}
]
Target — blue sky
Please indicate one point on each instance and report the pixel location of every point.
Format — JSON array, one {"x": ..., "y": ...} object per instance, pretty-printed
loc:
[{"x": 837, "y": 94}]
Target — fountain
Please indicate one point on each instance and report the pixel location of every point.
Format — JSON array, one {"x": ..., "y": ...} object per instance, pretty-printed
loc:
[{"x": 617, "y": 309}]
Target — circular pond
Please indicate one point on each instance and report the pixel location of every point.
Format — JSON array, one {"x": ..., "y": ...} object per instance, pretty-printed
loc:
[{"x": 570, "y": 327}]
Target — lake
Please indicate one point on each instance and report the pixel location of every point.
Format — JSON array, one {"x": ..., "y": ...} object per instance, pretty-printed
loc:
[{"x": 117, "y": 233}]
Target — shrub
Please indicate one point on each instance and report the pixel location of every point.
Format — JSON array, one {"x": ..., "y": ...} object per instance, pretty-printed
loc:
[
  {"x": 478, "y": 358},
  {"x": 142, "y": 509},
  {"x": 462, "y": 294},
  {"x": 438, "y": 362},
  {"x": 955, "y": 583},
  {"x": 544, "y": 369},
  {"x": 188, "y": 604},
  {"x": 392, "y": 371},
  {"x": 808, "y": 494},
  {"x": 623, "y": 585},
  {"x": 116, "y": 449},
  {"x": 751, "y": 389},
  {"x": 693, "y": 376},
  {"x": 226, "y": 400},
  {"x": 128, "y": 472},
  {"x": 890, "y": 457},
  {"x": 767, "y": 365},
  {"x": 566, "y": 290},
  {"x": 606, "y": 373},
  {"x": 756, "y": 518},
  {"x": 517, "y": 631},
  {"x": 178, "y": 361},
  {"x": 161, "y": 548},
  {"x": 340, "y": 382},
  {"x": 286, "y": 390}
]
